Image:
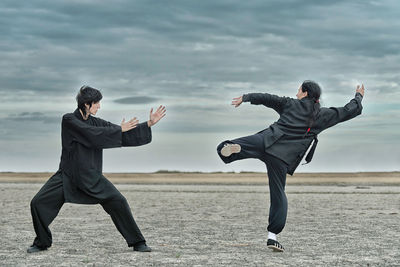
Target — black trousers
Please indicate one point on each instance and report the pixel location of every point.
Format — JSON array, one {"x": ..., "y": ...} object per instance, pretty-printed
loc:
[
  {"x": 48, "y": 201},
  {"x": 253, "y": 147}
]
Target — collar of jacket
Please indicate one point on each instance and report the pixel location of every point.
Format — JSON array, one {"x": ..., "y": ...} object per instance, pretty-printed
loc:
[{"x": 78, "y": 114}]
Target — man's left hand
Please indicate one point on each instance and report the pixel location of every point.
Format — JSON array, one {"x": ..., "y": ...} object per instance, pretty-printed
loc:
[{"x": 156, "y": 116}]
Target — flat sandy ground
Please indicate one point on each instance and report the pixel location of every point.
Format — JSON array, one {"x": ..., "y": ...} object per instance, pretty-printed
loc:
[{"x": 221, "y": 224}]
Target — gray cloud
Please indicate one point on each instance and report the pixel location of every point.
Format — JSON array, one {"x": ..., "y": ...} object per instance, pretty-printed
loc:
[
  {"x": 222, "y": 42},
  {"x": 33, "y": 116},
  {"x": 136, "y": 100},
  {"x": 29, "y": 127},
  {"x": 194, "y": 57}
]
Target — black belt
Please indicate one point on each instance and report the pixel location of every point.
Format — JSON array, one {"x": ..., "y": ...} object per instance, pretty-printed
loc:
[{"x": 312, "y": 150}]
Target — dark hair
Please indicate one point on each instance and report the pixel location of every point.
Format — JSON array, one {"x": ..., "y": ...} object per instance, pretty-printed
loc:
[
  {"x": 87, "y": 95},
  {"x": 313, "y": 92}
]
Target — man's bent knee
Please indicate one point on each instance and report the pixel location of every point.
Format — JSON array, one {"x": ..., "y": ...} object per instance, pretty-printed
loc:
[{"x": 34, "y": 202}]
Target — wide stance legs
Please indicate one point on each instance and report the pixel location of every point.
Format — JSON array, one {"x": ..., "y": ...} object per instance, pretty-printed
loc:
[
  {"x": 122, "y": 217},
  {"x": 44, "y": 208},
  {"x": 49, "y": 200},
  {"x": 253, "y": 147}
]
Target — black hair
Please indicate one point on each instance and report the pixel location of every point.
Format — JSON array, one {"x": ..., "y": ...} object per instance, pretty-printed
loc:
[
  {"x": 313, "y": 92},
  {"x": 87, "y": 95}
]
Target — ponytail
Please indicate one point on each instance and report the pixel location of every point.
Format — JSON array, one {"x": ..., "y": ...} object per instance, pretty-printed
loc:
[{"x": 313, "y": 92}]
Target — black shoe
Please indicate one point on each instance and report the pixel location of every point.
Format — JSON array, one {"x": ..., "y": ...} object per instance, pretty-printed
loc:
[
  {"x": 142, "y": 248},
  {"x": 275, "y": 246},
  {"x": 34, "y": 248}
]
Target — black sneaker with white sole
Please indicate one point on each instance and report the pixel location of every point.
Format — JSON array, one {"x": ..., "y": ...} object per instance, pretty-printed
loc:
[{"x": 275, "y": 245}]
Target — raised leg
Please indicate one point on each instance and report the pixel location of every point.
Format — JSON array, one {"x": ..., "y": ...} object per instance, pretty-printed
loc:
[{"x": 251, "y": 146}]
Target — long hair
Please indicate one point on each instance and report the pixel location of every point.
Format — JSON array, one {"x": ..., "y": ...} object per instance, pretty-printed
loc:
[
  {"x": 87, "y": 95},
  {"x": 313, "y": 92}
]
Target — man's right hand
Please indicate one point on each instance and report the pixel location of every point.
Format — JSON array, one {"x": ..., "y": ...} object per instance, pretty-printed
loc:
[
  {"x": 129, "y": 125},
  {"x": 237, "y": 101},
  {"x": 360, "y": 89}
]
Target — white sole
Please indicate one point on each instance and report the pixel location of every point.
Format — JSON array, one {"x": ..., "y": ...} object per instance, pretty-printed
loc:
[
  {"x": 230, "y": 149},
  {"x": 275, "y": 249}
]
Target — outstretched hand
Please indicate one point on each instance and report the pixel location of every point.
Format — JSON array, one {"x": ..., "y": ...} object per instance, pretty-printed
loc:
[
  {"x": 126, "y": 126},
  {"x": 156, "y": 116},
  {"x": 237, "y": 101},
  {"x": 360, "y": 89}
]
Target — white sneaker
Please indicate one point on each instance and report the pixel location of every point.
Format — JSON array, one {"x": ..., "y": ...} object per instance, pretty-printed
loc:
[{"x": 230, "y": 149}]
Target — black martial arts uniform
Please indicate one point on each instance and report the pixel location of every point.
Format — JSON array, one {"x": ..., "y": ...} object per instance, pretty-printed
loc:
[
  {"x": 80, "y": 179},
  {"x": 283, "y": 145}
]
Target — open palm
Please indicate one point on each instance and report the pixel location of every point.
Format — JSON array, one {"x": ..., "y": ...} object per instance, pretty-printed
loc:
[
  {"x": 237, "y": 101},
  {"x": 157, "y": 115}
]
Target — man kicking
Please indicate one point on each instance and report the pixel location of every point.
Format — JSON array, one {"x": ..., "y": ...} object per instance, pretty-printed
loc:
[{"x": 79, "y": 178}]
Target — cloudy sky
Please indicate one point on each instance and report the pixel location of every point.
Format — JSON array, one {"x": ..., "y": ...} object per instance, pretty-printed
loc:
[{"x": 194, "y": 57}]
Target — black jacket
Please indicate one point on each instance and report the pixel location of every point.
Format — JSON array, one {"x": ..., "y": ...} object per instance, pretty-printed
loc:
[
  {"x": 286, "y": 137},
  {"x": 81, "y": 163}
]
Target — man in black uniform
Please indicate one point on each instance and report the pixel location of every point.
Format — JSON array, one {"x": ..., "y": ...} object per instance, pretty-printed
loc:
[{"x": 80, "y": 179}]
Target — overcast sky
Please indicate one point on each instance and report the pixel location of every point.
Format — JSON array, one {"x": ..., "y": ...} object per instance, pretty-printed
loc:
[{"x": 194, "y": 57}]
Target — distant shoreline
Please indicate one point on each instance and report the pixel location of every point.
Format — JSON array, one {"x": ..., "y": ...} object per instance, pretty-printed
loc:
[{"x": 245, "y": 178}]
